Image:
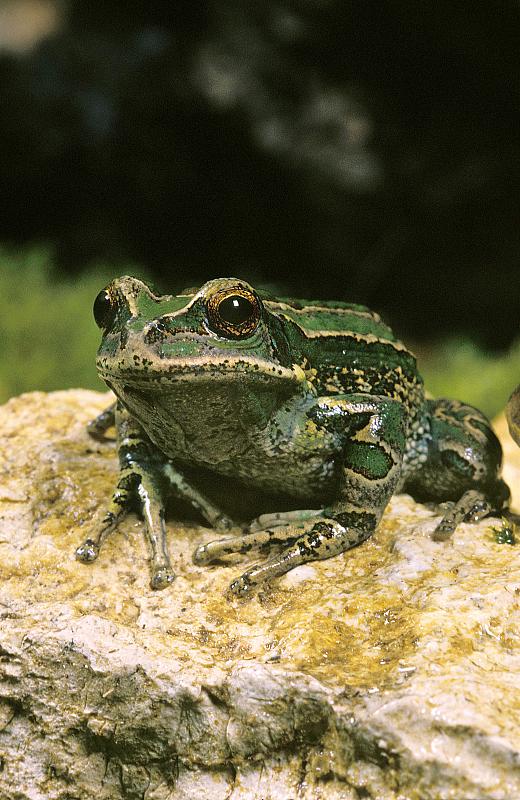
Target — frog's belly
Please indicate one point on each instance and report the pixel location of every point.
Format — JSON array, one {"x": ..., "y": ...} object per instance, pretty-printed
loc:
[
  {"x": 228, "y": 444},
  {"x": 285, "y": 467},
  {"x": 311, "y": 479},
  {"x": 294, "y": 473}
]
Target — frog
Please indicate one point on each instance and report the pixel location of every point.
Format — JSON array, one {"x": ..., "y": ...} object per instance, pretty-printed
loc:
[
  {"x": 513, "y": 415},
  {"x": 314, "y": 402}
]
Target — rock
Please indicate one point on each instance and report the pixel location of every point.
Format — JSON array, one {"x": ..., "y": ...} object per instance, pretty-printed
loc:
[
  {"x": 391, "y": 672},
  {"x": 513, "y": 415}
]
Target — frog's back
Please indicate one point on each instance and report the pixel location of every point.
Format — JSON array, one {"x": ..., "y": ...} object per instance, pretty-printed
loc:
[
  {"x": 329, "y": 315},
  {"x": 350, "y": 349}
]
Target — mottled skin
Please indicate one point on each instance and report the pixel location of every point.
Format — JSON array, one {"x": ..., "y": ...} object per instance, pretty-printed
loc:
[{"x": 316, "y": 401}]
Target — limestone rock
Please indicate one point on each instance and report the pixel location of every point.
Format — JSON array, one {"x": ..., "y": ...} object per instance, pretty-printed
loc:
[{"x": 391, "y": 672}]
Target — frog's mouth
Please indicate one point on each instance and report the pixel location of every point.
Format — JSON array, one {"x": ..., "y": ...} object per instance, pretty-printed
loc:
[{"x": 173, "y": 371}]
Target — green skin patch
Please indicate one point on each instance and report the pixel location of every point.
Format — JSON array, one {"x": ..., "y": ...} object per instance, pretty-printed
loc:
[{"x": 313, "y": 401}]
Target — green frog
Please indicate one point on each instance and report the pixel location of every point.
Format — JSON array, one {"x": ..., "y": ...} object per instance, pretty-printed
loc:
[{"x": 313, "y": 405}]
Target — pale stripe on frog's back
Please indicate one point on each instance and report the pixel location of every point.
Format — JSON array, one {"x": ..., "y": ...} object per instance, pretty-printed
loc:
[{"x": 323, "y": 320}]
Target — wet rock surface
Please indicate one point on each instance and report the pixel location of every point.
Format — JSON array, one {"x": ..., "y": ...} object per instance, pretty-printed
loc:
[{"x": 390, "y": 672}]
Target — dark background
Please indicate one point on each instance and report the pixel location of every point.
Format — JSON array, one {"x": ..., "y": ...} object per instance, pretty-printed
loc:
[{"x": 358, "y": 150}]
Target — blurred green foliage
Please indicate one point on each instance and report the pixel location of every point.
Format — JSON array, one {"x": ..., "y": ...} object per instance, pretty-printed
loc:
[
  {"x": 47, "y": 332},
  {"x": 49, "y": 338},
  {"x": 458, "y": 368}
]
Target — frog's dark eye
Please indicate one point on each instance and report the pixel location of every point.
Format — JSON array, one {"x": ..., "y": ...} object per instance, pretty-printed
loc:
[
  {"x": 234, "y": 312},
  {"x": 105, "y": 310}
]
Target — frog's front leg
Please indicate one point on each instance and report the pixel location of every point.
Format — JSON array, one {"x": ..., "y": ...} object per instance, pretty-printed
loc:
[
  {"x": 98, "y": 427},
  {"x": 141, "y": 483},
  {"x": 373, "y": 430},
  {"x": 146, "y": 479}
]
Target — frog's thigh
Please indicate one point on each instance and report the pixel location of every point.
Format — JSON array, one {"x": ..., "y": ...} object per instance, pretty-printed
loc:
[
  {"x": 463, "y": 465},
  {"x": 513, "y": 415},
  {"x": 372, "y": 461},
  {"x": 467, "y": 448}
]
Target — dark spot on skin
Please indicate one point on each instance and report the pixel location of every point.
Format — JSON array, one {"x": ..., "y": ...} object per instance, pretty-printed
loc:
[{"x": 304, "y": 551}]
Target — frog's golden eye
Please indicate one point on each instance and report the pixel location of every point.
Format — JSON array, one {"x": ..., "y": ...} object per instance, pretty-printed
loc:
[
  {"x": 233, "y": 312},
  {"x": 105, "y": 310}
]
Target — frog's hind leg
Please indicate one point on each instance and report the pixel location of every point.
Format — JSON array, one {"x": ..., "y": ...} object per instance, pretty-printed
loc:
[
  {"x": 263, "y": 540},
  {"x": 463, "y": 466},
  {"x": 326, "y": 539},
  {"x": 279, "y": 518},
  {"x": 266, "y": 531}
]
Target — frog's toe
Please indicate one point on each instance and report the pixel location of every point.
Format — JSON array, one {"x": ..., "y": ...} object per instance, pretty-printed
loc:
[
  {"x": 88, "y": 551},
  {"x": 471, "y": 507},
  {"x": 162, "y": 578},
  {"x": 203, "y": 555},
  {"x": 241, "y": 586}
]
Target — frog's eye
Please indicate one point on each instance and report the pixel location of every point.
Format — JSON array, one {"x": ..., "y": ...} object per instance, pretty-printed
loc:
[
  {"x": 234, "y": 312},
  {"x": 105, "y": 310}
]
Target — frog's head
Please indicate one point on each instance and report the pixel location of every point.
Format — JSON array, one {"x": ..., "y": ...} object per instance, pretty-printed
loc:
[{"x": 219, "y": 333}]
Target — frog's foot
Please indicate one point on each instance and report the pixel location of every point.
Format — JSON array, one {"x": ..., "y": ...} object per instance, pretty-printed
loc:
[
  {"x": 88, "y": 551},
  {"x": 162, "y": 576},
  {"x": 326, "y": 538},
  {"x": 471, "y": 507},
  {"x": 118, "y": 508},
  {"x": 135, "y": 485},
  {"x": 264, "y": 532},
  {"x": 281, "y": 518}
]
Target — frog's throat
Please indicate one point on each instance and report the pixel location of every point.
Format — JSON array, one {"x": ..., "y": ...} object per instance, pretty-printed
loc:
[{"x": 230, "y": 368}]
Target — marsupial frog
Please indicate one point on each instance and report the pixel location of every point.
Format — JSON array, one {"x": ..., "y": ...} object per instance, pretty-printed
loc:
[{"x": 314, "y": 403}]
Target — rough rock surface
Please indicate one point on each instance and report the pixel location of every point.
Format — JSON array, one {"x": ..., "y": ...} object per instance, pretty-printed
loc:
[{"x": 391, "y": 672}]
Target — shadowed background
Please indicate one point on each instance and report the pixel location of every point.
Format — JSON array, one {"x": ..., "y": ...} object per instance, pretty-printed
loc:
[{"x": 352, "y": 150}]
